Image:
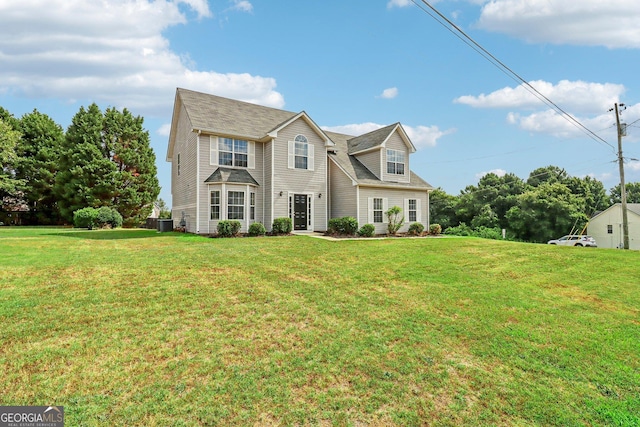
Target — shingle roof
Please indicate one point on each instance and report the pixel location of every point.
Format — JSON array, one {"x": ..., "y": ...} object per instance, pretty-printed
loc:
[
  {"x": 359, "y": 172},
  {"x": 229, "y": 116},
  {"x": 634, "y": 207},
  {"x": 370, "y": 140},
  {"x": 235, "y": 176}
]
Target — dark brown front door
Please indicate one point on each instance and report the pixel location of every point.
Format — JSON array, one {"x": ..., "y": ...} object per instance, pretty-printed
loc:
[{"x": 299, "y": 211}]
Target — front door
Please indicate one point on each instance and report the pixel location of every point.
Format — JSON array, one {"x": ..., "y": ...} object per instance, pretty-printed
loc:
[{"x": 300, "y": 211}]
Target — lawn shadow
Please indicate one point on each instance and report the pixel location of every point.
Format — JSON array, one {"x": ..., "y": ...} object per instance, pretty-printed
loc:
[{"x": 118, "y": 234}]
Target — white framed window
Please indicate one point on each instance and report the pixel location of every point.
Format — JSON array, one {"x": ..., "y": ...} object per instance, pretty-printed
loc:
[
  {"x": 610, "y": 229},
  {"x": 412, "y": 209},
  {"x": 235, "y": 205},
  {"x": 232, "y": 152},
  {"x": 378, "y": 214},
  {"x": 301, "y": 153},
  {"x": 395, "y": 162},
  {"x": 215, "y": 205},
  {"x": 178, "y": 165},
  {"x": 377, "y": 207},
  {"x": 252, "y": 206}
]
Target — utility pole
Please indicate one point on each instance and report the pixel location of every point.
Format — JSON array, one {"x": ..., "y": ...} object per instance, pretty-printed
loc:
[{"x": 623, "y": 191}]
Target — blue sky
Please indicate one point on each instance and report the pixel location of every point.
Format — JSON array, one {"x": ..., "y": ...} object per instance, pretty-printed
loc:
[{"x": 353, "y": 66}]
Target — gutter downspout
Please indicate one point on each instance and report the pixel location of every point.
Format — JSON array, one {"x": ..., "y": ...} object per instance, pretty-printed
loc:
[{"x": 198, "y": 182}]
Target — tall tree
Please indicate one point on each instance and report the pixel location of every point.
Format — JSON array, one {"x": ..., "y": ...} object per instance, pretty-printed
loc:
[
  {"x": 548, "y": 174},
  {"x": 545, "y": 212},
  {"x": 38, "y": 160},
  {"x": 632, "y": 190},
  {"x": 87, "y": 176},
  {"x": 592, "y": 193},
  {"x": 136, "y": 186},
  {"x": 442, "y": 208},
  {"x": 487, "y": 204},
  {"x": 9, "y": 138},
  {"x": 108, "y": 161}
]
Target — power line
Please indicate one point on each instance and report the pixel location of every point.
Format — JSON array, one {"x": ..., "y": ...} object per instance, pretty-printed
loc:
[{"x": 469, "y": 41}]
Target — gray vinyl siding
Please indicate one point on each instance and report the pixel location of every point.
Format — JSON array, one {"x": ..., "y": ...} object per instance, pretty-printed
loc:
[
  {"x": 394, "y": 198},
  {"x": 344, "y": 199},
  {"x": 267, "y": 188},
  {"x": 297, "y": 181},
  {"x": 207, "y": 226},
  {"x": 372, "y": 161},
  {"x": 183, "y": 186},
  {"x": 395, "y": 142}
]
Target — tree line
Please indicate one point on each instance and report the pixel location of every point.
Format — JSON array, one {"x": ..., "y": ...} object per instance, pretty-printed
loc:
[
  {"x": 103, "y": 159},
  {"x": 549, "y": 204}
]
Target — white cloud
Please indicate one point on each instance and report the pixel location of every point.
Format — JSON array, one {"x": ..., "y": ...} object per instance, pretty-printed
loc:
[
  {"x": 421, "y": 136},
  {"x": 242, "y": 6},
  {"x": 570, "y": 95},
  {"x": 612, "y": 23},
  {"x": 389, "y": 93},
  {"x": 164, "y": 130},
  {"x": 99, "y": 51},
  {"x": 498, "y": 172},
  {"x": 399, "y": 3},
  {"x": 634, "y": 165}
]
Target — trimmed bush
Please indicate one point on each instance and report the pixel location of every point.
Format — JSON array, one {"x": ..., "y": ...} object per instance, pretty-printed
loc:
[
  {"x": 416, "y": 229},
  {"x": 97, "y": 218},
  {"x": 346, "y": 225},
  {"x": 435, "y": 229},
  {"x": 282, "y": 226},
  {"x": 108, "y": 217},
  {"x": 85, "y": 218},
  {"x": 229, "y": 228},
  {"x": 257, "y": 229},
  {"x": 367, "y": 230}
]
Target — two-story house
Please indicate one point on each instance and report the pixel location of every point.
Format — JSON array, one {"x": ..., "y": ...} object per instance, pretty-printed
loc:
[{"x": 237, "y": 160}]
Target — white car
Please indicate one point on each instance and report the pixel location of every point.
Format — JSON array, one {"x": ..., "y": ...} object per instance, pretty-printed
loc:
[{"x": 574, "y": 240}]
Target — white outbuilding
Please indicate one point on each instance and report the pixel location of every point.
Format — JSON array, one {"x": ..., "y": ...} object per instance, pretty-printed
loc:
[{"x": 606, "y": 226}]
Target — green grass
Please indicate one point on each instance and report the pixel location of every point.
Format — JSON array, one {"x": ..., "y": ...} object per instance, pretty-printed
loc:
[{"x": 134, "y": 327}]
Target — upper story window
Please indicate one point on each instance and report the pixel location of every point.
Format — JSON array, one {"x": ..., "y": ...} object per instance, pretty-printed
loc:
[
  {"x": 233, "y": 152},
  {"x": 178, "y": 166},
  {"x": 300, "y": 153},
  {"x": 395, "y": 162}
]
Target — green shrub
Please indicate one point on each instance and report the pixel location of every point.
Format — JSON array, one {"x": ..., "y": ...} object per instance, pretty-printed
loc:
[
  {"x": 416, "y": 229},
  {"x": 282, "y": 226},
  {"x": 395, "y": 220},
  {"x": 229, "y": 228},
  {"x": 257, "y": 229},
  {"x": 367, "y": 230},
  {"x": 85, "y": 218},
  {"x": 459, "y": 230},
  {"x": 347, "y": 225},
  {"x": 108, "y": 217},
  {"x": 435, "y": 229},
  {"x": 488, "y": 233}
]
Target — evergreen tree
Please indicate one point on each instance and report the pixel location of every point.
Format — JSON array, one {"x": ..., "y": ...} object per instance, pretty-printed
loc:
[
  {"x": 9, "y": 184},
  {"x": 107, "y": 161},
  {"x": 136, "y": 185},
  {"x": 87, "y": 175},
  {"x": 38, "y": 160}
]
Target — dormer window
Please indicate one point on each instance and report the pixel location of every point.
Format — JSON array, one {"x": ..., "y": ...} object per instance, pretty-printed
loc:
[{"x": 395, "y": 162}]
